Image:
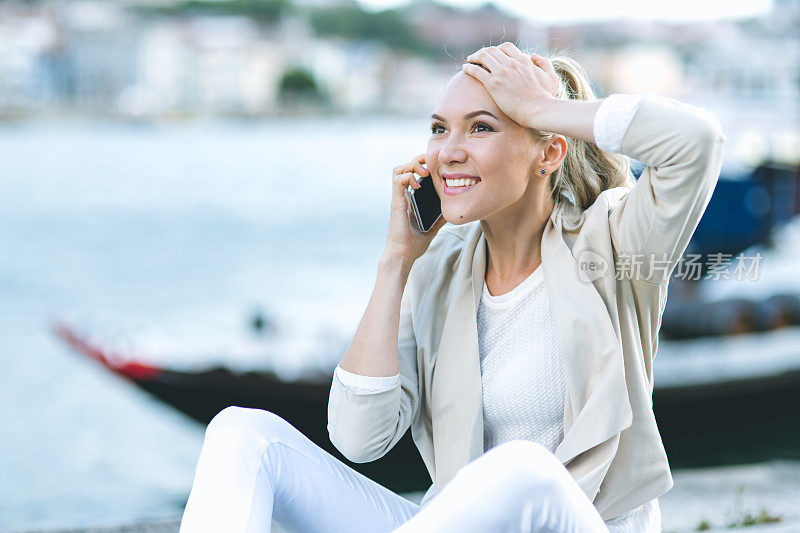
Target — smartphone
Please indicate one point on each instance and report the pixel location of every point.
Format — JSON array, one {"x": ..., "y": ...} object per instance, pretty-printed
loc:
[{"x": 425, "y": 204}]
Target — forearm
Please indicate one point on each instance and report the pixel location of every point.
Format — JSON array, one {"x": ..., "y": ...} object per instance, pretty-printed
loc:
[
  {"x": 682, "y": 146},
  {"x": 373, "y": 350},
  {"x": 571, "y": 118},
  {"x": 364, "y": 425}
]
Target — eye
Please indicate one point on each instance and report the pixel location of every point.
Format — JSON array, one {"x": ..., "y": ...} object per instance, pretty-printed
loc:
[{"x": 436, "y": 125}]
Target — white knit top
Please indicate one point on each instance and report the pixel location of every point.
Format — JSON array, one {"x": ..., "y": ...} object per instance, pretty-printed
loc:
[
  {"x": 522, "y": 368},
  {"x": 517, "y": 338},
  {"x": 520, "y": 352}
]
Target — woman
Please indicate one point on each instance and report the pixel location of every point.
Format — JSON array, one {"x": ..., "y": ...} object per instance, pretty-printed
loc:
[{"x": 517, "y": 344}]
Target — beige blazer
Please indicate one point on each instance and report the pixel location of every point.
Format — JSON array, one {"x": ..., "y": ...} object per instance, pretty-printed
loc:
[{"x": 607, "y": 324}]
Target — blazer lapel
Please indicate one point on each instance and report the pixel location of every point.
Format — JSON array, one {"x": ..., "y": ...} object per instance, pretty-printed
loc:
[
  {"x": 597, "y": 407},
  {"x": 456, "y": 391}
]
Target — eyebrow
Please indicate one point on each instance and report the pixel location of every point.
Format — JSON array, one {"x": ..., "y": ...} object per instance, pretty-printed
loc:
[{"x": 467, "y": 116}]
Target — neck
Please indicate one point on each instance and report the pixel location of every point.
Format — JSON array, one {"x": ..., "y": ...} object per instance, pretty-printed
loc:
[{"x": 514, "y": 239}]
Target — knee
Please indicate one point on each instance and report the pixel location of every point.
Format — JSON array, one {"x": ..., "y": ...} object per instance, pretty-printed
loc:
[
  {"x": 519, "y": 465},
  {"x": 237, "y": 425}
]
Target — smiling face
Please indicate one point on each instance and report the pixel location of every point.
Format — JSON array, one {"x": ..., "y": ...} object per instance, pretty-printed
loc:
[{"x": 492, "y": 147}]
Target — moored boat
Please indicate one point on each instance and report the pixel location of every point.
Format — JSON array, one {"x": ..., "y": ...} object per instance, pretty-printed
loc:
[{"x": 718, "y": 400}]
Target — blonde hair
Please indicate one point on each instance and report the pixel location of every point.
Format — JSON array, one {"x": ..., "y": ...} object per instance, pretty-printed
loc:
[{"x": 586, "y": 170}]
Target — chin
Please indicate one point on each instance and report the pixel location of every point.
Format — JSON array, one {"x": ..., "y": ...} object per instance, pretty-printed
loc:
[{"x": 457, "y": 219}]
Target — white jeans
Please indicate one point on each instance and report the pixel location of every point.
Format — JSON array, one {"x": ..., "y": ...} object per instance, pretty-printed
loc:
[{"x": 255, "y": 467}]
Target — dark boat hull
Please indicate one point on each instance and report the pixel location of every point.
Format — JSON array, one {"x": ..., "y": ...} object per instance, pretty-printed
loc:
[
  {"x": 712, "y": 424},
  {"x": 738, "y": 423},
  {"x": 203, "y": 395}
]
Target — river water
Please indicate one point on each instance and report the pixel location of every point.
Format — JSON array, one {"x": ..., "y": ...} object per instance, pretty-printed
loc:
[
  {"x": 164, "y": 240},
  {"x": 168, "y": 237}
]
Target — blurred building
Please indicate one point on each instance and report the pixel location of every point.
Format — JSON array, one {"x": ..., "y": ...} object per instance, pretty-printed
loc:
[
  {"x": 96, "y": 57},
  {"x": 459, "y": 32}
]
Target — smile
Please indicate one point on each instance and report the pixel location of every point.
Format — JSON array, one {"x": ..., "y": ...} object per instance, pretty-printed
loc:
[{"x": 458, "y": 186}]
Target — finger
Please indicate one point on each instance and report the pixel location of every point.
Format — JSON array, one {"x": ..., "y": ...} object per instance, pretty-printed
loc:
[
  {"x": 411, "y": 179},
  {"x": 422, "y": 159},
  {"x": 485, "y": 58},
  {"x": 502, "y": 58},
  {"x": 411, "y": 166},
  {"x": 402, "y": 200},
  {"x": 475, "y": 54},
  {"x": 476, "y": 71},
  {"x": 543, "y": 63},
  {"x": 402, "y": 181},
  {"x": 513, "y": 51},
  {"x": 419, "y": 169}
]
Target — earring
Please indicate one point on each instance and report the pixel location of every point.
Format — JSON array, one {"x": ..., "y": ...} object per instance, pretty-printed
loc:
[{"x": 541, "y": 171}]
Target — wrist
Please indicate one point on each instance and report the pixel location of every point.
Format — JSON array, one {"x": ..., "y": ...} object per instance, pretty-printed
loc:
[
  {"x": 570, "y": 118},
  {"x": 394, "y": 262},
  {"x": 538, "y": 111}
]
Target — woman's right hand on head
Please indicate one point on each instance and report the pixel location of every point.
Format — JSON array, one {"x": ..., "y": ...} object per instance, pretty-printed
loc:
[{"x": 405, "y": 240}]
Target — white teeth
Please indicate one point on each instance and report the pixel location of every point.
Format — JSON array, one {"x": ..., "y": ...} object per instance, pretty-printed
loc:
[{"x": 461, "y": 182}]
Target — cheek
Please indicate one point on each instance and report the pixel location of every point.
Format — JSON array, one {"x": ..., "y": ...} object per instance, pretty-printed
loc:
[
  {"x": 431, "y": 155},
  {"x": 499, "y": 158},
  {"x": 505, "y": 183}
]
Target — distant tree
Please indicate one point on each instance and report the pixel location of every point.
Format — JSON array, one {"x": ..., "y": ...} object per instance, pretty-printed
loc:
[
  {"x": 350, "y": 21},
  {"x": 267, "y": 10},
  {"x": 297, "y": 83}
]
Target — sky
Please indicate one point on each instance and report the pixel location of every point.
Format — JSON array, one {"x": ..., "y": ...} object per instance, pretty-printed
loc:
[{"x": 558, "y": 12}]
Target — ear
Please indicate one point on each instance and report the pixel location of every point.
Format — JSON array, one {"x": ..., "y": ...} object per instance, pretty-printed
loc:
[{"x": 555, "y": 151}]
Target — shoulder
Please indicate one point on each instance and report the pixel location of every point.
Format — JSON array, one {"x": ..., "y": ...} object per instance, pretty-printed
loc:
[
  {"x": 614, "y": 196},
  {"x": 576, "y": 219}
]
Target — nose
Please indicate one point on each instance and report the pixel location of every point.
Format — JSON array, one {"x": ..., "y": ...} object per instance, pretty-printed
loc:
[{"x": 452, "y": 151}]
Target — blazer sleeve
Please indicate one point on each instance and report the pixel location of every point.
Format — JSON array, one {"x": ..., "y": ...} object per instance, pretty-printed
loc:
[
  {"x": 682, "y": 146},
  {"x": 365, "y": 384},
  {"x": 365, "y": 423}
]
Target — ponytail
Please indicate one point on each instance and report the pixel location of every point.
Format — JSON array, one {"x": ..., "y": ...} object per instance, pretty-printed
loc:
[{"x": 586, "y": 170}]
